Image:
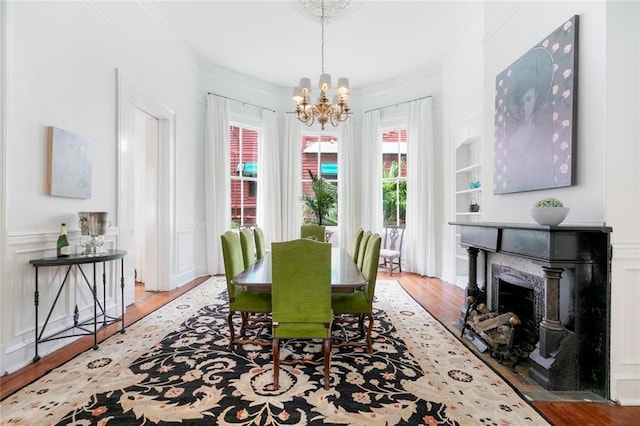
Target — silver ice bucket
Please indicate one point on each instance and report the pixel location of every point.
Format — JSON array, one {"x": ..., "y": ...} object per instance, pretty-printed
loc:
[{"x": 94, "y": 223}]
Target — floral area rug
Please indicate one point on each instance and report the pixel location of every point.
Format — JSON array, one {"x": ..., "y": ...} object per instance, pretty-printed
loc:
[{"x": 172, "y": 367}]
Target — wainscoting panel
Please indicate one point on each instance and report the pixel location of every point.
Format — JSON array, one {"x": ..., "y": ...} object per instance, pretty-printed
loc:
[
  {"x": 191, "y": 253},
  {"x": 625, "y": 317}
]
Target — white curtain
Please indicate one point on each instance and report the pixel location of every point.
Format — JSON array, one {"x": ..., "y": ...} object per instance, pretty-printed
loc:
[
  {"x": 269, "y": 190},
  {"x": 291, "y": 180},
  {"x": 371, "y": 154},
  {"x": 348, "y": 207},
  {"x": 420, "y": 234},
  {"x": 217, "y": 183}
]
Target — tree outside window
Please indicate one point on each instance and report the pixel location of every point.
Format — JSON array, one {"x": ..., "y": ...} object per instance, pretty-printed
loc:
[
  {"x": 394, "y": 176},
  {"x": 243, "y": 168},
  {"x": 319, "y": 178}
]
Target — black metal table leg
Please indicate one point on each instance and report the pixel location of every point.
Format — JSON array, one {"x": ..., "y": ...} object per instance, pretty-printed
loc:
[{"x": 36, "y": 302}]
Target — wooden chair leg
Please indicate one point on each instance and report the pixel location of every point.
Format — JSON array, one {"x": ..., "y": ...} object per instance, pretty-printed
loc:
[
  {"x": 369, "y": 330},
  {"x": 232, "y": 333},
  {"x": 243, "y": 326},
  {"x": 327, "y": 361},
  {"x": 275, "y": 349}
]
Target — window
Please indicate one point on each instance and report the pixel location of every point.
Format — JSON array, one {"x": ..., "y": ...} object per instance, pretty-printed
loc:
[
  {"x": 394, "y": 176},
  {"x": 320, "y": 158},
  {"x": 244, "y": 174}
]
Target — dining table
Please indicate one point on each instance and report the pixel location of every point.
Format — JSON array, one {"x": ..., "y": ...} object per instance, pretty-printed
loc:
[{"x": 345, "y": 275}]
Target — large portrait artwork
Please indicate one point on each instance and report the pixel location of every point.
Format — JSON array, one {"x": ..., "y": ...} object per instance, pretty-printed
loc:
[{"x": 535, "y": 111}]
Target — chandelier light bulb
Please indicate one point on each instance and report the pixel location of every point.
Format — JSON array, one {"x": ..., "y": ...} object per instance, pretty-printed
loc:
[
  {"x": 305, "y": 84},
  {"x": 343, "y": 86},
  {"x": 297, "y": 97},
  {"x": 325, "y": 82}
]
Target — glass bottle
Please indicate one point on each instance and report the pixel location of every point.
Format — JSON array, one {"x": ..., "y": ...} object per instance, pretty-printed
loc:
[{"x": 63, "y": 247}]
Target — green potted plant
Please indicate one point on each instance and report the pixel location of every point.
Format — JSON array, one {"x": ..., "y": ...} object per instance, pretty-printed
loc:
[
  {"x": 323, "y": 201},
  {"x": 549, "y": 212}
]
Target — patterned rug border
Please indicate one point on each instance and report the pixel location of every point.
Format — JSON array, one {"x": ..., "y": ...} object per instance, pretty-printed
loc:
[
  {"x": 467, "y": 345},
  {"x": 449, "y": 366}
]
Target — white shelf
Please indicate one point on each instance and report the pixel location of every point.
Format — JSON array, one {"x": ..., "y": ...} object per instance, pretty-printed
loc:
[
  {"x": 469, "y": 168},
  {"x": 467, "y": 165},
  {"x": 468, "y": 191}
]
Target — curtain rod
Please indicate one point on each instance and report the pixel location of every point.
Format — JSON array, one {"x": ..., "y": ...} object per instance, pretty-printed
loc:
[
  {"x": 242, "y": 102},
  {"x": 399, "y": 103}
]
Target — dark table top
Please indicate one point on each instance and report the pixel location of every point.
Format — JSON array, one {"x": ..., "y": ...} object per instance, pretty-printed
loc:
[
  {"x": 345, "y": 275},
  {"x": 76, "y": 259}
]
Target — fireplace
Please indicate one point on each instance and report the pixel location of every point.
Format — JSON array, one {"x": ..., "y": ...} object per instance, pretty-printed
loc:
[
  {"x": 523, "y": 294},
  {"x": 561, "y": 289}
]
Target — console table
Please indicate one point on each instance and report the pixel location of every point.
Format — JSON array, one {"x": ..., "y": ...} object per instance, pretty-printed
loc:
[{"x": 77, "y": 260}]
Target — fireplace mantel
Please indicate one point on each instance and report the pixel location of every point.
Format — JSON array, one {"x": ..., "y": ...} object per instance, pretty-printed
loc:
[
  {"x": 546, "y": 245},
  {"x": 585, "y": 251}
]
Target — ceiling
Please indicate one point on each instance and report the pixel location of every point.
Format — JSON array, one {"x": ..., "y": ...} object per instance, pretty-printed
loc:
[{"x": 275, "y": 42}]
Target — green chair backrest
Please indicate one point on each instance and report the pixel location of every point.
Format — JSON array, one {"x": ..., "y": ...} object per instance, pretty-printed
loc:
[
  {"x": 356, "y": 244},
  {"x": 363, "y": 247},
  {"x": 316, "y": 232},
  {"x": 370, "y": 264},
  {"x": 260, "y": 245},
  {"x": 233, "y": 260},
  {"x": 248, "y": 247},
  {"x": 301, "y": 281}
]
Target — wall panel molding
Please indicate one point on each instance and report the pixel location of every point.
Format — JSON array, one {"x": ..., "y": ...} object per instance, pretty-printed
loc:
[
  {"x": 191, "y": 253},
  {"x": 625, "y": 345}
]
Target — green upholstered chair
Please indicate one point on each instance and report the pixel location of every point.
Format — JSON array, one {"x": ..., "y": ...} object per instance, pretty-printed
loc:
[
  {"x": 301, "y": 295},
  {"x": 248, "y": 247},
  {"x": 261, "y": 249},
  {"x": 360, "y": 302},
  {"x": 356, "y": 244},
  {"x": 362, "y": 249},
  {"x": 240, "y": 300},
  {"x": 313, "y": 231}
]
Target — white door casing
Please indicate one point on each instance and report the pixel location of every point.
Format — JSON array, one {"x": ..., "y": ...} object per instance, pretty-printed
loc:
[{"x": 129, "y": 101}]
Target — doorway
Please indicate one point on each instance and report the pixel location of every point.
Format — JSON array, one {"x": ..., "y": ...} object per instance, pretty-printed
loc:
[
  {"x": 146, "y": 190},
  {"x": 146, "y": 171}
]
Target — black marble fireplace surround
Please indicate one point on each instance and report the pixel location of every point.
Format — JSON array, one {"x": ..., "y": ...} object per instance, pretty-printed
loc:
[{"x": 572, "y": 352}]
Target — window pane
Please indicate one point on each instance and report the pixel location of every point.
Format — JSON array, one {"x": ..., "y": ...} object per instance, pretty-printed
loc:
[
  {"x": 394, "y": 176},
  {"x": 244, "y": 174},
  {"x": 235, "y": 166},
  {"x": 319, "y": 155}
]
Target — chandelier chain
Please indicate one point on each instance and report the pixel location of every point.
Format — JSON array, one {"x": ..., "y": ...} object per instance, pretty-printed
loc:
[
  {"x": 323, "y": 110},
  {"x": 322, "y": 36}
]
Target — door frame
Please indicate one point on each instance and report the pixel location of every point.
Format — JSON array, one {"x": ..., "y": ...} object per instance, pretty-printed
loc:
[{"x": 130, "y": 98}]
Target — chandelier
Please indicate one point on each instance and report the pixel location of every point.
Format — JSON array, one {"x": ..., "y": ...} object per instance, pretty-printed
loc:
[{"x": 323, "y": 111}]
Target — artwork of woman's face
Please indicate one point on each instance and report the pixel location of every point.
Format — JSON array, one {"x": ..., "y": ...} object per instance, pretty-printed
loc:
[{"x": 527, "y": 103}]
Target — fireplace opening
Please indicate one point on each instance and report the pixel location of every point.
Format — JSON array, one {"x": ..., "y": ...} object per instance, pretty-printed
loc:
[
  {"x": 520, "y": 300},
  {"x": 510, "y": 325}
]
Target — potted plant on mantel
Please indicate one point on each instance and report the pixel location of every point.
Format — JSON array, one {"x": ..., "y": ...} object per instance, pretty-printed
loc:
[
  {"x": 549, "y": 212},
  {"x": 323, "y": 201}
]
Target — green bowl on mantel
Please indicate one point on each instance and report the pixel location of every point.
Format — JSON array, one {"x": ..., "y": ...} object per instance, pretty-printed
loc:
[{"x": 549, "y": 216}]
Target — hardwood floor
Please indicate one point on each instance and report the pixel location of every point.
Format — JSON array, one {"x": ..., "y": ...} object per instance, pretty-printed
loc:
[{"x": 442, "y": 300}]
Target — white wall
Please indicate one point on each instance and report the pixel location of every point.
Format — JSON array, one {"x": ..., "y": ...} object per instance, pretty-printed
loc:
[
  {"x": 622, "y": 199},
  {"x": 60, "y": 70},
  {"x": 510, "y": 30}
]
